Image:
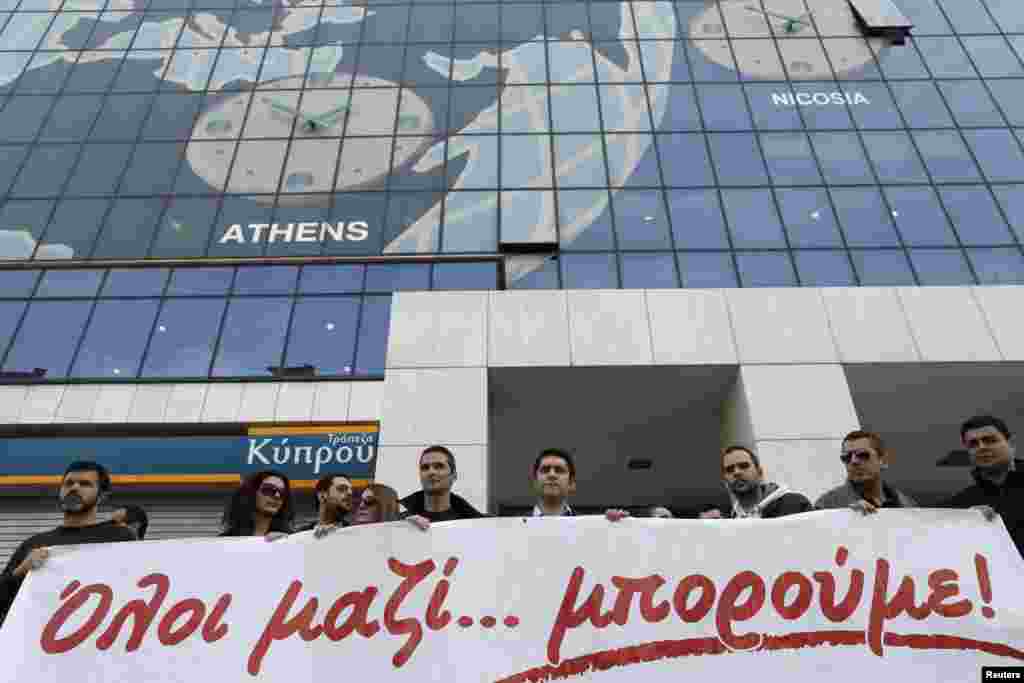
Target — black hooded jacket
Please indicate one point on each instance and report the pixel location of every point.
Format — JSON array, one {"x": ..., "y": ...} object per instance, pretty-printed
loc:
[{"x": 415, "y": 504}]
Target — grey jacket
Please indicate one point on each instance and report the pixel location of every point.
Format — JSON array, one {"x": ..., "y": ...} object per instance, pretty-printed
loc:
[{"x": 845, "y": 496}]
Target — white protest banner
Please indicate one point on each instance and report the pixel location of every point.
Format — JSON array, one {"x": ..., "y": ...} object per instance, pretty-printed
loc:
[{"x": 915, "y": 595}]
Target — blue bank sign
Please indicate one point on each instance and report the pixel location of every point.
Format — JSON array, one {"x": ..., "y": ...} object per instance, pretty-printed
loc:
[{"x": 303, "y": 452}]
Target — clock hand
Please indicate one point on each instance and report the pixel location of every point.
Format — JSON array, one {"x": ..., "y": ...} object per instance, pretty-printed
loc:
[
  {"x": 327, "y": 118},
  {"x": 791, "y": 22},
  {"x": 312, "y": 123}
]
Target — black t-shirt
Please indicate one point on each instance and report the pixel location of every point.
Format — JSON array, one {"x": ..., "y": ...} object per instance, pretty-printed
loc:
[
  {"x": 103, "y": 532},
  {"x": 446, "y": 516}
]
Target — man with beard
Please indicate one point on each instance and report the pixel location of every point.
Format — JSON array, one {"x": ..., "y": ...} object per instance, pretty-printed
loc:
[
  {"x": 865, "y": 457},
  {"x": 752, "y": 496},
  {"x": 554, "y": 480},
  {"x": 436, "y": 502},
  {"x": 83, "y": 487},
  {"x": 333, "y": 504},
  {"x": 998, "y": 476}
]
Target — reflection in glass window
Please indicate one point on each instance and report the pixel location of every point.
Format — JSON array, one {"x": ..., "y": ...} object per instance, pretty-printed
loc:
[
  {"x": 129, "y": 228},
  {"x": 684, "y": 160},
  {"x": 589, "y": 271},
  {"x": 768, "y": 115},
  {"x": 532, "y": 272},
  {"x": 75, "y": 224},
  {"x": 323, "y": 334},
  {"x": 649, "y": 271},
  {"x": 116, "y": 337},
  {"x": 371, "y": 348},
  {"x": 575, "y": 229},
  {"x": 842, "y": 159},
  {"x": 183, "y": 338},
  {"x": 10, "y": 316},
  {"x": 881, "y": 113},
  {"x": 69, "y": 283},
  {"x": 946, "y": 156},
  {"x": 945, "y": 58},
  {"x": 941, "y": 267},
  {"x": 682, "y": 111},
  {"x": 463, "y": 276},
  {"x": 968, "y": 16},
  {"x": 737, "y": 159},
  {"x": 824, "y": 268},
  {"x": 1008, "y": 13},
  {"x": 185, "y": 228},
  {"x": 809, "y": 219},
  {"x": 901, "y": 62},
  {"x": 882, "y": 267},
  {"x": 829, "y": 116},
  {"x": 975, "y": 216},
  {"x": 992, "y": 56},
  {"x": 1010, "y": 96},
  {"x": 266, "y": 279},
  {"x": 707, "y": 269},
  {"x": 753, "y": 220},
  {"x": 17, "y": 283},
  {"x": 253, "y": 337},
  {"x": 765, "y": 269},
  {"x": 640, "y": 219},
  {"x": 396, "y": 277},
  {"x": 697, "y": 220},
  {"x": 864, "y": 217},
  {"x": 48, "y": 336},
  {"x": 135, "y": 282},
  {"x": 921, "y": 104},
  {"x": 1011, "y": 199},
  {"x": 724, "y": 107},
  {"x": 997, "y": 266},
  {"x": 790, "y": 159},
  {"x": 970, "y": 103},
  {"x": 894, "y": 157},
  {"x": 920, "y": 217},
  {"x": 334, "y": 278},
  {"x": 200, "y": 281},
  {"x": 998, "y": 154}
]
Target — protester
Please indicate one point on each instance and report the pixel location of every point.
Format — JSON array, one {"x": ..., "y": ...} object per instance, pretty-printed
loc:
[
  {"x": 84, "y": 486},
  {"x": 998, "y": 476},
  {"x": 660, "y": 512},
  {"x": 752, "y": 496},
  {"x": 709, "y": 511},
  {"x": 332, "y": 501},
  {"x": 378, "y": 503},
  {"x": 132, "y": 517},
  {"x": 262, "y": 506},
  {"x": 553, "y": 478},
  {"x": 865, "y": 457},
  {"x": 436, "y": 502}
]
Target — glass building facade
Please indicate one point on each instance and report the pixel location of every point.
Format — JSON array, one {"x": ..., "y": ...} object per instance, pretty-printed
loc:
[{"x": 625, "y": 144}]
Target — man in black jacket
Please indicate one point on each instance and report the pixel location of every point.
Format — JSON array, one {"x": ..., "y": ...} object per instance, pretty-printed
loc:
[
  {"x": 83, "y": 487},
  {"x": 752, "y": 496},
  {"x": 436, "y": 502},
  {"x": 332, "y": 502},
  {"x": 999, "y": 478}
]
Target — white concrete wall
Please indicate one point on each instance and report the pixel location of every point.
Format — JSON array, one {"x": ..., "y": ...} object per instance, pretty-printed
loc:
[{"x": 791, "y": 400}]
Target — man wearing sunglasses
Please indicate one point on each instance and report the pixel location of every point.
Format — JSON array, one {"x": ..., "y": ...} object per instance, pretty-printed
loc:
[
  {"x": 998, "y": 476},
  {"x": 752, "y": 496},
  {"x": 864, "y": 455}
]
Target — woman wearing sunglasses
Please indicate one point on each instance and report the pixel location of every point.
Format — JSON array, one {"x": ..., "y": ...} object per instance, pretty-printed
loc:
[
  {"x": 378, "y": 503},
  {"x": 262, "y": 506}
]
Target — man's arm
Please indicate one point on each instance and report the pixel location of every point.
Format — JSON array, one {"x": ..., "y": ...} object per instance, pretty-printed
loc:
[
  {"x": 9, "y": 583},
  {"x": 793, "y": 503}
]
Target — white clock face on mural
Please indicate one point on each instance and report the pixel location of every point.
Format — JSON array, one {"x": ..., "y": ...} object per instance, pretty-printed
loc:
[
  {"x": 242, "y": 144},
  {"x": 795, "y": 53}
]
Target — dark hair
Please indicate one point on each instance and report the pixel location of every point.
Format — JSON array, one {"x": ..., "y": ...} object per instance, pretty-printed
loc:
[
  {"x": 875, "y": 439},
  {"x": 102, "y": 474},
  {"x": 133, "y": 514},
  {"x": 238, "y": 514},
  {"x": 440, "y": 449},
  {"x": 558, "y": 453},
  {"x": 322, "y": 484},
  {"x": 736, "y": 447},
  {"x": 979, "y": 421},
  {"x": 387, "y": 501}
]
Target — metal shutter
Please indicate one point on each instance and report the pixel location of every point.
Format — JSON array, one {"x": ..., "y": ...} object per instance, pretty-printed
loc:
[{"x": 170, "y": 516}]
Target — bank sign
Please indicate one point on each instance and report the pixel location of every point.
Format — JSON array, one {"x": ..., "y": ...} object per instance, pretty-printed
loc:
[{"x": 303, "y": 452}]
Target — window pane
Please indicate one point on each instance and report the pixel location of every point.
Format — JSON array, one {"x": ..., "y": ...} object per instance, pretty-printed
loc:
[
  {"x": 649, "y": 271},
  {"x": 809, "y": 219},
  {"x": 456, "y": 276},
  {"x": 707, "y": 269},
  {"x": 48, "y": 337},
  {"x": 135, "y": 282},
  {"x": 684, "y": 160},
  {"x": 790, "y": 159},
  {"x": 697, "y": 221},
  {"x": 737, "y": 159},
  {"x": 372, "y": 345},
  {"x": 992, "y": 56},
  {"x": 337, "y": 278},
  {"x": 864, "y": 218},
  {"x": 1010, "y": 96},
  {"x": 532, "y": 272},
  {"x": 1011, "y": 199},
  {"x": 841, "y": 157},
  {"x": 116, "y": 338},
  {"x": 765, "y": 269},
  {"x": 919, "y": 217},
  {"x": 682, "y": 109},
  {"x": 589, "y": 271},
  {"x": 10, "y": 316},
  {"x": 200, "y": 281},
  {"x": 395, "y": 277},
  {"x": 640, "y": 219},
  {"x": 975, "y": 216},
  {"x": 253, "y": 337},
  {"x": 266, "y": 279},
  {"x": 968, "y": 16},
  {"x": 881, "y": 113},
  {"x": 894, "y": 156},
  {"x": 323, "y": 334},
  {"x": 998, "y": 154},
  {"x": 184, "y": 337},
  {"x": 941, "y": 267},
  {"x": 824, "y": 268},
  {"x": 945, "y": 58},
  {"x": 753, "y": 220},
  {"x": 946, "y": 156},
  {"x": 882, "y": 268},
  {"x": 724, "y": 107},
  {"x": 576, "y": 230},
  {"x": 970, "y": 103},
  {"x": 921, "y": 104},
  {"x": 767, "y": 114},
  {"x": 17, "y": 283},
  {"x": 997, "y": 266},
  {"x": 61, "y": 283}
]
